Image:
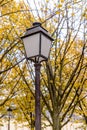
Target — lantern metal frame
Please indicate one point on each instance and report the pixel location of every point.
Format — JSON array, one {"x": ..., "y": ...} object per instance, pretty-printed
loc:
[{"x": 37, "y": 29}]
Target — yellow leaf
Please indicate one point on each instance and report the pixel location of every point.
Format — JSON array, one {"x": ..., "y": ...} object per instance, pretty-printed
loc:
[
  {"x": 47, "y": 1},
  {"x": 51, "y": 81},
  {"x": 62, "y": 1},
  {"x": 57, "y": 12},
  {"x": 73, "y": 14},
  {"x": 68, "y": 6},
  {"x": 59, "y": 5},
  {"x": 75, "y": 1}
]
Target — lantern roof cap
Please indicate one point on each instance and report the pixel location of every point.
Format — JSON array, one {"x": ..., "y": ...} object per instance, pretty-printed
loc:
[
  {"x": 37, "y": 28},
  {"x": 9, "y": 109},
  {"x": 36, "y": 24}
]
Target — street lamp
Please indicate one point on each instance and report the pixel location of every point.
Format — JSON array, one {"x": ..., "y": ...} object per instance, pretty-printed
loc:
[
  {"x": 37, "y": 43},
  {"x": 32, "y": 121},
  {"x": 9, "y": 117}
]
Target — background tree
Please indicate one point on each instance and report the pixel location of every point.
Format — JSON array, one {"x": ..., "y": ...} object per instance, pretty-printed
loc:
[{"x": 13, "y": 23}]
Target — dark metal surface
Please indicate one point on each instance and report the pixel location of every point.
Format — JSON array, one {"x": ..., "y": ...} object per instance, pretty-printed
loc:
[
  {"x": 9, "y": 109},
  {"x": 37, "y": 97},
  {"x": 37, "y": 29},
  {"x": 9, "y": 117}
]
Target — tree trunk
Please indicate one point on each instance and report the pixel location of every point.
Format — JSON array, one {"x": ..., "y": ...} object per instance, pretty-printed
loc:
[{"x": 56, "y": 121}]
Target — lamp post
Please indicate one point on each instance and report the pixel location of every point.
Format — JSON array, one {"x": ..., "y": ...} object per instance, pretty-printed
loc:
[
  {"x": 37, "y": 43},
  {"x": 32, "y": 121},
  {"x": 9, "y": 117}
]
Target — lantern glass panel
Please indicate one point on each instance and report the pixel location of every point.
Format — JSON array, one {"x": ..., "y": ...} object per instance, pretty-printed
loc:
[
  {"x": 31, "y": 44},
  {"x": 45, "y": 46}
]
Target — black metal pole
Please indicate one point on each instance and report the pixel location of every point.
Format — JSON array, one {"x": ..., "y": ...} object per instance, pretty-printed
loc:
[
  {"x": 9, "y": 117},
  {"x": 31, "y": 119},
  {"x": 9, "y": 122},
  {"x": 37, "y": 97}
]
